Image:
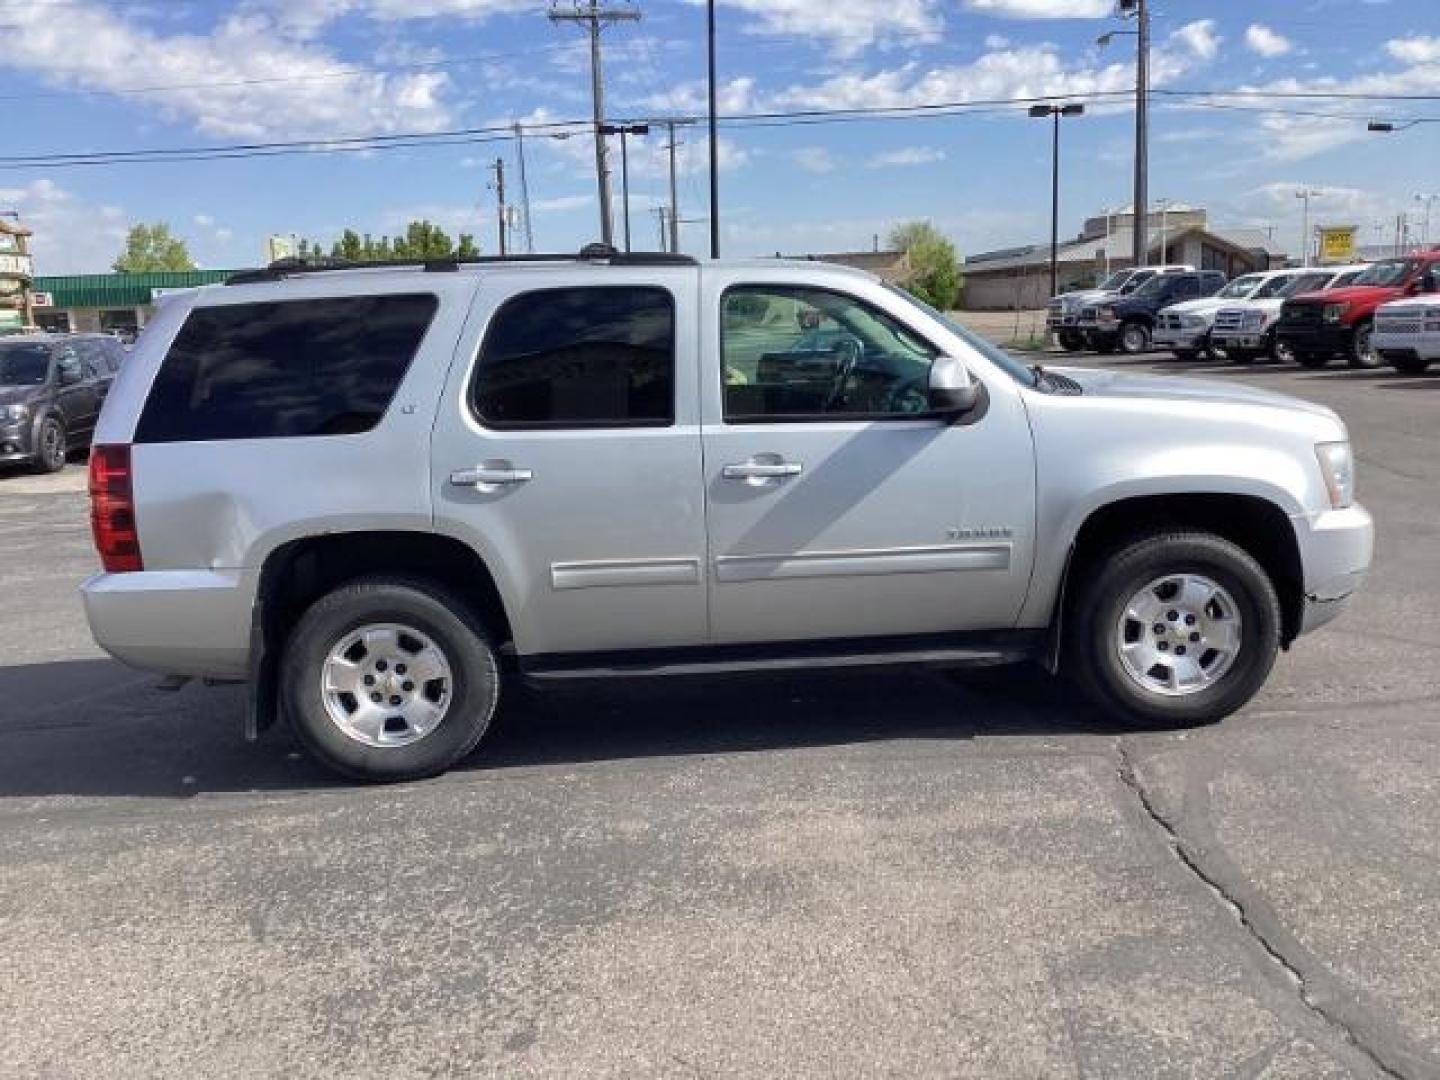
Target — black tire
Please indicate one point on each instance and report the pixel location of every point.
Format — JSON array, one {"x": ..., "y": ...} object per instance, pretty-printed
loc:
[
  {"x": 1312, "y": 361},
  {"x": 1208, "y": 351},
  {"x": 1187, "y": 356},
  {"x": 1409, "y": 365},
  {"x": 1071, "y": 341},
  {"x": 1241, "y": 356},
  {"x": 1134, "y": 338},
  {"x": 1362, "y": 353},
  {"x": 1105, "y": 346},
  {"x": 1091, "y": 653},
  {"x": 51, "y": 451},
  {"x": 421, "y": 606},
  {"x": 1279, "y": 352}
]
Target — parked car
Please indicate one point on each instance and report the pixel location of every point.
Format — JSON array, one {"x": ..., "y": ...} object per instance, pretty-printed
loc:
[
  {"x": 1407, "y": 332},
  {"x": 545, "y": 470},
  {"x": 1184, "y": 328},
  {"x": 1245, "y": 330},
  {"x": 1126, "y": 323},
  {"x": 51, "y": 389},
  {"x": 1317, "y": 328},
  {"x": 1062, "y": 317}
]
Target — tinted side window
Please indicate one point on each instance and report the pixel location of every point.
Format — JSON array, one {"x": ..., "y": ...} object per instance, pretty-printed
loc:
[
  {"x": 1186, "y": 288},
  {"x": 581, "y": 357},
  {"x": 114, "y": 355},
  {"x": 293, "y": 367}
]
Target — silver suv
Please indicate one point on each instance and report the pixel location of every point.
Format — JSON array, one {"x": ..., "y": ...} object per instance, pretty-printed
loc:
[{"x": 376, "y": 494}]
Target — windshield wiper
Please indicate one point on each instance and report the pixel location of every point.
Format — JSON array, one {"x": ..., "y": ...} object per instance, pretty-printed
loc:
[{"x": 1042, "y": 377}]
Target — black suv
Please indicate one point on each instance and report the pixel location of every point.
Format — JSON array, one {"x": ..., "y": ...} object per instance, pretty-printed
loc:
[
  {"x": 51, "y": 389},
  {"x": 1126, "y": 322}
]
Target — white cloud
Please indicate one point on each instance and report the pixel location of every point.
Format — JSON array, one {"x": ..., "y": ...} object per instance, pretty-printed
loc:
[
  {"x": 71, "y": 236},
  {"x": 205, "y": 221},
  {"x": 1415, "y": 50},
  {"x": 560, "y": 204},
  {"x": 1200, "y": 38},
  {"x": 305, "y": 18},
  {"x": 267, "y": 92},
  {"x": 847, "y": 26},
  {"x": 906, "y": 156},
  {"x": 814, "y": 159},
  {"x": 996, "y": 41},
  {"x": 1269, "y": 44},
  {"x": 1043, "y": 9}
]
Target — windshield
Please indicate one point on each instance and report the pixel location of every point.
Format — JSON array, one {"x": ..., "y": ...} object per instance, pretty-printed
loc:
[
  {"x": 1115, "y": 281},
  {"x": 1239, "y": 288},
  {"x": 996, "y": 355},
  {"x": 24, "y": 365},
  {"x": 1153, "y": 287},
  {"x": 1341, "y": 280},
  {"x": 1390, "y": 272},
  {"x": 1276, "y": 286},
  {"x": 1140, "y": 278},
  {"x": 1303, "y": 283}
]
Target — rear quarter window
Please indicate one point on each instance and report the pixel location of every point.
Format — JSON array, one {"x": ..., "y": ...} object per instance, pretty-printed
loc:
[{"x": 285, "y": 368}]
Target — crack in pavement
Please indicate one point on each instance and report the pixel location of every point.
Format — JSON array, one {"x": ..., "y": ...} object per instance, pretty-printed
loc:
[{"x": 1382, "y": 1058}]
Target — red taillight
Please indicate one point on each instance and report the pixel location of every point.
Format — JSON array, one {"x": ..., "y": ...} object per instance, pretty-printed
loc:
[{"x": 112, "y": 509}]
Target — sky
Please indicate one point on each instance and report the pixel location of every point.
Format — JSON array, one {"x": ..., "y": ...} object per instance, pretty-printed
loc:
[{"x": 82, "y": 76}]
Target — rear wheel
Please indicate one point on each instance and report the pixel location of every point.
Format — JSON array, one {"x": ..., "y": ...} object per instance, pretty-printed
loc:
[
  {"x": 1071, "y": 341},
  {"x": 1134, "y": 338},
  {"x": 388, "y": 679},
  {"x": 1362, "y": 352},
  {"x": 1173, "y": 628},
  {"x": 1281, "y": 351},
  {"x": 1412, "y": 364},
  {"x": 1312, "y": 360}
]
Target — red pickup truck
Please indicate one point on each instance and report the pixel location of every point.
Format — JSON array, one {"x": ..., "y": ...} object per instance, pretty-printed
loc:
[{"x": 1319, "y": 326}]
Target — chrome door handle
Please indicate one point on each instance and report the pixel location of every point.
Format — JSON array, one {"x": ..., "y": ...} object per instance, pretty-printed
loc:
[
  {"x": 756, "y": 470},
  {"x": 490, "y": 476}
]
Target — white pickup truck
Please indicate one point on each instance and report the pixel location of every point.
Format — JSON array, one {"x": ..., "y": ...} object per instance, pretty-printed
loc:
[
  {"x": 1246, "y": 330},
  {"x": 1184, "y": 328},
  {"x": 1407, "y": 333}
]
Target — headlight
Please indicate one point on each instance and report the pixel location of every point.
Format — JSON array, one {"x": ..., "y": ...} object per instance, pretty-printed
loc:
[
  {"x": 1254, "y": 320},
  {"x": 15, "y": 412},
  {"x": 1191, "y": 321},
  {"x": 1335, "y": 312},
  {"x": 1337, "y": 464},
  {"x": 1105, "y": 314}
]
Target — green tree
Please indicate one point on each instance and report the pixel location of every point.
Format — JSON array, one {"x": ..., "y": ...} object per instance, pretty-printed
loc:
[
  {"x": 151, "y": 248},
  {"x": 934, "y": 266},
  {"x": 467, "y": 248}
]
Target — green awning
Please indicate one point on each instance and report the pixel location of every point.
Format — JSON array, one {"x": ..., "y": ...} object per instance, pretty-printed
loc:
[{"x": 121, "y": 290}]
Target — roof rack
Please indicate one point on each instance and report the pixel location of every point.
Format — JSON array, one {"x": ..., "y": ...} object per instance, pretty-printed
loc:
[{"x": 291, "y": 267}]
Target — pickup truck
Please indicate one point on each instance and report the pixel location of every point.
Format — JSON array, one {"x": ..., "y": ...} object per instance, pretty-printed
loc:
[
  {"x": 1320, "y": 326},
  {"x": 1246, "y": 330},
  {"x": 1184, "y": 328},
  {"x": 1062, "y": 318},
  {"x": 1407, "y": 333},
  {"x": 1126, "y": 323}
]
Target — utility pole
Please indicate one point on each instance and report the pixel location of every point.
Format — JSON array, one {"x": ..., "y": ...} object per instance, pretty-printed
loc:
[
  {"x": 674, "y": 218},
  {"x": 595, "y": 18},
  {"x": 499, "y": 169},
  {"x": 524, "y": 191},
  {"x": 1400, "y": 225},
  {"x": 662, "y": 220},
  {"x": 1140, "y": 204},
  {"x": 1305, "y": 195},
  {"x": 623, "y": 130},
  {"x": 1427, "y": 201},
  {"x": 714, "y": 133}
]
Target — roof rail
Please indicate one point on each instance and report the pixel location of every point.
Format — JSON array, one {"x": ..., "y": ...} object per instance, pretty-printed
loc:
[{"x": 291, "y": 267}]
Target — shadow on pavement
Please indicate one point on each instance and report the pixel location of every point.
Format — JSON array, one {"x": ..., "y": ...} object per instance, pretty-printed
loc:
[{"x": 95, "y": 728}]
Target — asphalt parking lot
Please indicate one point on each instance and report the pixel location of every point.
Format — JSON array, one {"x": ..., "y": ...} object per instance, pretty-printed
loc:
[{"x": 820, "y": 875}]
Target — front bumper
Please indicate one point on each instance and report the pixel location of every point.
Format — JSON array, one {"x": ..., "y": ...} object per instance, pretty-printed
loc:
[
  {"x": 1240, "y": 339},
  {"x": 1335, "y": 548},
  {"x": 1183, "y": 338},
  {"x": 1327, "y": 339},
  {"x": 1056, "y": 321},
  {"x": 180, "y": 622},
  {"x": 1407, "y": 345},
  {"x": 17, "y": 441}
]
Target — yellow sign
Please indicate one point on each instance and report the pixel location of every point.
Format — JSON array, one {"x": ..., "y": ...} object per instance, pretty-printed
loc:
[{"x": 1337, "y": 245}]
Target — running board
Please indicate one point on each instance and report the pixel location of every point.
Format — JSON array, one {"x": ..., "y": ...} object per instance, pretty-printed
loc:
[{"x": 944, "y": 651}]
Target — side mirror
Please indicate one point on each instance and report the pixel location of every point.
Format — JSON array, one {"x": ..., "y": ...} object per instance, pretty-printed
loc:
[
  {"x": 69, "y": 371},
  {"x": 952, "y": 391}
]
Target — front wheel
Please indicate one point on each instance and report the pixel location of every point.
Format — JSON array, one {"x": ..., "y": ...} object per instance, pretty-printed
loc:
[
  {"x": 389, "y": 679},
  {"x": 1362, "y": 352},
  {"x": 1071, "y": 341},
  {"x": 1313, "y": 361},
  {"x": 1281, "y": 351},
  {"x": 50, "y": 446},
  {"x": 1134, "y": 338},
  {"x": 1241, "y": 356},
  {"x": 1173, "y": 628},
  {"x": 1186, "y": 356},
  {"x": 1412, "y": 364}
]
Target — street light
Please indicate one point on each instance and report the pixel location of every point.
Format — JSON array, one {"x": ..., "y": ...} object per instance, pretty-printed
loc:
[
  {"x": 1055, "y": 112},
  {"x": 1306, "y": 194},
  {"x": 1139, "y": 11},
  {"x": 623, "y": 130}
]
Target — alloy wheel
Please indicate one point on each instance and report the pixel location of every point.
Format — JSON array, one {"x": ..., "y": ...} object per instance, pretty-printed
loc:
[
  {"x": 1179, "y": 635},
  {"x": 387, "y": 684}
]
